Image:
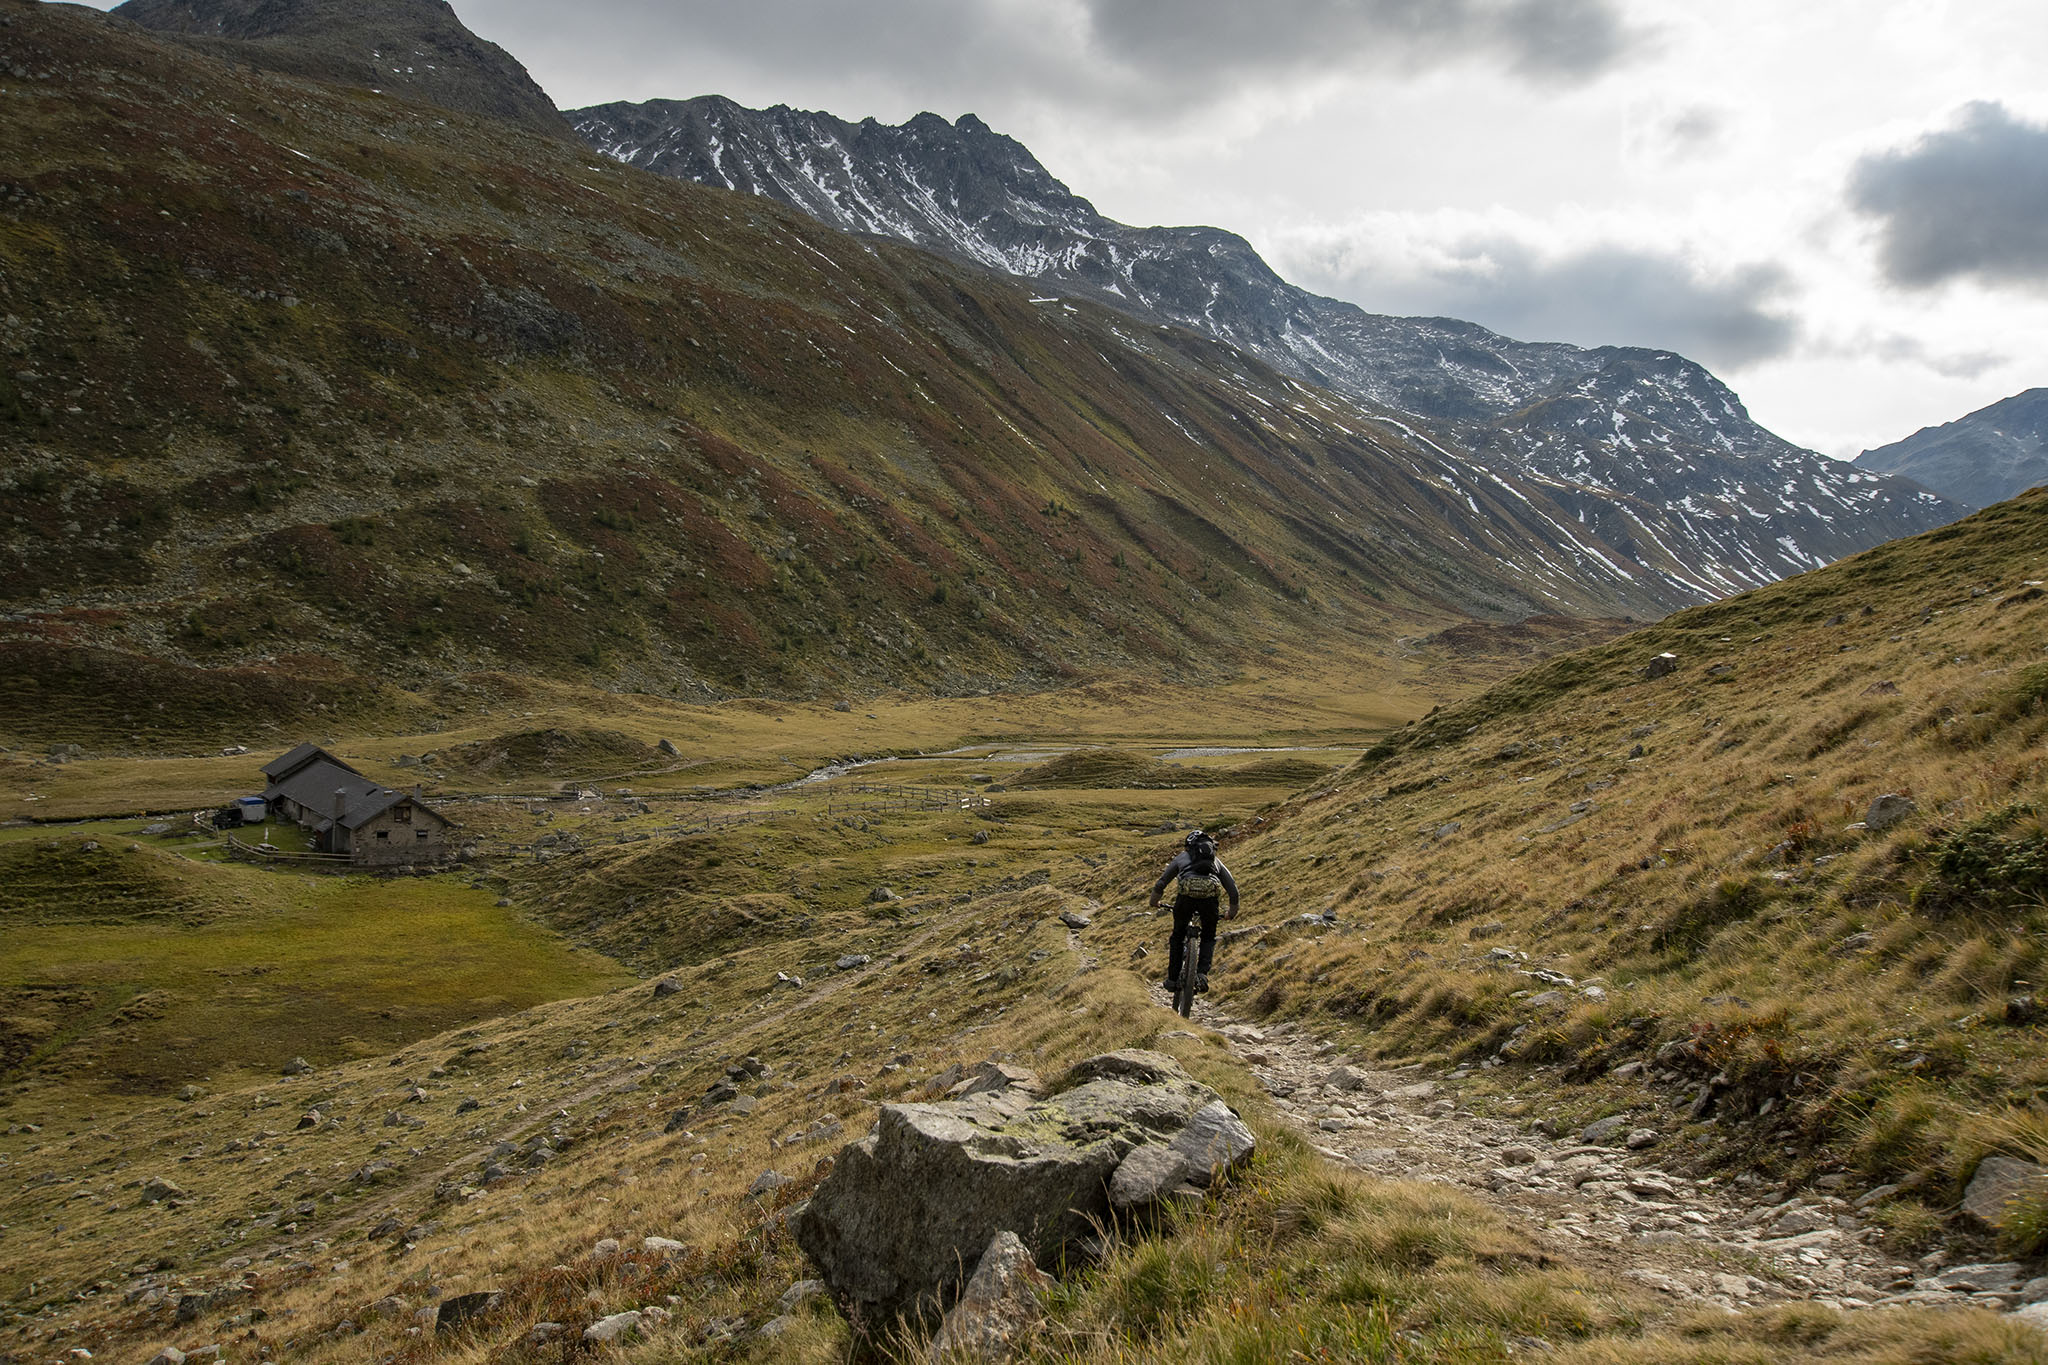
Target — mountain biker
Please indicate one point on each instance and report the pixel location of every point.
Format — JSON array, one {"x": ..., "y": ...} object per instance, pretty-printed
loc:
[{"x": 1201, "y": 881}]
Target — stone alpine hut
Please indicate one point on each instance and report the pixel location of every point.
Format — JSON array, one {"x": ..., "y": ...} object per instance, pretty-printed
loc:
[{"x": 345, "y": 812}]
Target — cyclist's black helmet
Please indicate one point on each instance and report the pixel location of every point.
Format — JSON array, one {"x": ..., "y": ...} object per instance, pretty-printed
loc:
[{"x": 1197, "y": 837}]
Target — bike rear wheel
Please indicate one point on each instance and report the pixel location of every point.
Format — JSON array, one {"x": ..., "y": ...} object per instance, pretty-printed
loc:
[{"x": 1190, "y": 953}]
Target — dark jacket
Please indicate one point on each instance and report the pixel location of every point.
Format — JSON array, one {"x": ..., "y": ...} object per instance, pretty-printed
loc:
[{"x": 1181, "y": 862}]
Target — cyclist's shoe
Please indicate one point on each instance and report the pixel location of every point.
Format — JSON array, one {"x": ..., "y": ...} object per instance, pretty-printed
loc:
[
  {"x": 1201, "y": 982},
  {"x": 1168, "y": 981}
]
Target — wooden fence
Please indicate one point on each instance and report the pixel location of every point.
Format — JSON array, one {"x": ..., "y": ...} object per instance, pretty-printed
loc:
[
  {"x": 263, "y": 853},
  {"x": 874, "y": 798}
]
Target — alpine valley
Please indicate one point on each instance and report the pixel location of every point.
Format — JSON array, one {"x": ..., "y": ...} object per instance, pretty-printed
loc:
[{"x": 730, "y": 624}]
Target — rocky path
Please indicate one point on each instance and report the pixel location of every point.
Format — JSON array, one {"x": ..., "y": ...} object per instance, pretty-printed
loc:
[{"x": 1600, "y": 1197}]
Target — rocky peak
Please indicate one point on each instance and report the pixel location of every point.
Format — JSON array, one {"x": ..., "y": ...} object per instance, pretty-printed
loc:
[{"x": 417, "y": 49}]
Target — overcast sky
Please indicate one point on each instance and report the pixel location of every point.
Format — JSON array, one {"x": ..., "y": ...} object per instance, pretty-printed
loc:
[{"x": 1841, "y": 206}]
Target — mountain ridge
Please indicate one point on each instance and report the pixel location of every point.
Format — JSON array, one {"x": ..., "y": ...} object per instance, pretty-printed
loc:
[
  {"x": 1983, "y": 457},
  {"x": 1646, "y": 445}
]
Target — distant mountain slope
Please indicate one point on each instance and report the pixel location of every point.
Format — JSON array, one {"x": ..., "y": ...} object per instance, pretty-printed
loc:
[
  {"x": 1989, "y": 456},
  {"x": 1645, "y": 446},
  {"x": 414, "y": 48},
  {"x": 377, "y": 393}
]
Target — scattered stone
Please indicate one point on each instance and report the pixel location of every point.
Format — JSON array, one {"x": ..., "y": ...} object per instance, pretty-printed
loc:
[
  {"x": 617, "y": 1327},
  {"x": 604, "y": 1249},
  {"x": 169, "y": 1355},
  {"x": 1599, "y": 1132},
  {"x": 157, "y": 1189},
  {"x": 662, "y": 1246},
  {"x": 456, "y": 1311},
  {"x": 297, "y": 1066},
  {"x": 881, "y": 895},
  {"x": 1421, "y": 1090},
  {"x": 1628, "y": 1071},
  {"x": 1662, "y": 666},
  {"x": 1996, "y": 1277},
  {"x": 542, "y": 1333},
  {"x": 668, "y": 748},
  {"x": 666, "y": 987},
  {"x": 852, "y": 961},
  {"x": 1074, "y": 919},
  {"x": 1347, "y": 1078},
  {"x": 798, "y": 1294},
  {"x": 1997, "y": 1181},
  {"x": 768, "y": 1182},
  {"x": 1639, "y": 1138},
  {"x": 999, "y": 1310},
  {"x": 2021, "y": 1009},
  {"x": 1888, "y": 810},
  {"x": 191, "y": 1093}
]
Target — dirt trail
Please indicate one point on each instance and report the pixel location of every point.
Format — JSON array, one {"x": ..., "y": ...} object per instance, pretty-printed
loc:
[{"x": 1603, "y": 1205}]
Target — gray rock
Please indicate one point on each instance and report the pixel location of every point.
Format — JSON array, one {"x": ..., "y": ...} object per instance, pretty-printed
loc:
[
  {"x": 1997, "y": 1181},
  {"x": 1346, "y": 1078},
  {"x": 1794, "y": 1222},
  {"x": 157, "y": 1189},
  {"x": 297, "y": 1066},
  {"x": 1421, "y": 1090},
  {"x": 931, "y": 1185},
  {"x": 1146, "y": 1175},
  {"x": 668, "y": 748},
  {"x": 461, "y": 1308},
  {"x": 1639, "y": 1138},
  {"x": 798, "y": 1294},
  {"x": 605, "y": 1248},
  {"x": 617, "y": 1327},
  {"x": 1663, "y": 665},
  {"x": 768, "y": 1182},
  {"x": 1888, "y": 810},
  {"x": 991, "y": 1077},
  {"x": 1074, "y": 919},
  {"x": 2034, "y": 1314},
  {"x": 999, "y": 1310},
  {"x": 663, "y": 1246},
  {"x": 1214, "y": 1141},
  {"x": 169, "y": 1355},
  {"x": 775, "y": 1326},
  {"x": 881, "y": 895},
  {"x": 1995, "y": 1277},
  {"x": 667, "y": 986},
  {"x": 1601, "y": 1131},
  {"x": 543, "y": 1332},
  {"x": 852, "y": 961}
]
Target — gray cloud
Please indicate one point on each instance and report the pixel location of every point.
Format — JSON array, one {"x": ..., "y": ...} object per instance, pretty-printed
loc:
[
  {"x": 1968, "y": 202},
  {"x": 1562, "y": 41},
  {"x": 1148, "y": 58},
  {"x": 1597, "y": 295}
]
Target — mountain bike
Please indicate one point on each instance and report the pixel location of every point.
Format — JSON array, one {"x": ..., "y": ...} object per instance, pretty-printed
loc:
[{"x": 1190, "y": 954}]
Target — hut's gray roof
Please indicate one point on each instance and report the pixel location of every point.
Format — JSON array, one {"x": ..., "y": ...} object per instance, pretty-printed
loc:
[
  {"x": 315, "y": 785},
  {"x": 287, "y": 764}
]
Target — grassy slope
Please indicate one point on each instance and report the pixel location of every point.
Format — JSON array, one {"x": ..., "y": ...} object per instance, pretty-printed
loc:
[
  {"x": 131, "y": 971},
  {"x": 1296, "y": 1259},
  {"x": 1685, "y": 844}
]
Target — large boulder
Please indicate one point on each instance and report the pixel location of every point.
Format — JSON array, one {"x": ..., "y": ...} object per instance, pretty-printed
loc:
[
  {"x": 1997, "y": 1182},
  {"x": 911, "y": 1207}
]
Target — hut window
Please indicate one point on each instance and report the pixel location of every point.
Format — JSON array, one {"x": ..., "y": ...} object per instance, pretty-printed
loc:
[
  {"x": 402, "y": 814},
  {"x": 383, "y": 834},
  {"x": 419, "y": 834}
]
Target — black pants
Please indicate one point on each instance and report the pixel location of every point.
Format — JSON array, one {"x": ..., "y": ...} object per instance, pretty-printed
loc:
[{"x": 1183, "y": 911}]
